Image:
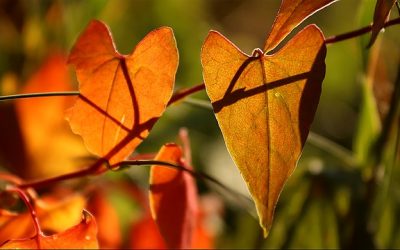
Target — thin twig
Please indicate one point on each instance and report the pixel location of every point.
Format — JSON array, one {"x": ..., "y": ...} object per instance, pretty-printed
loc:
[
  {"x": 95, "y": 168},
  {"x": 358, "y": 32},
  {"x": 24, "y": 197},
  {"x": 193, "y": 173},
  {"x": 44, "y": 94},
  {"x": 245, "y": 201},
  {"x": 179, "y": 95}
]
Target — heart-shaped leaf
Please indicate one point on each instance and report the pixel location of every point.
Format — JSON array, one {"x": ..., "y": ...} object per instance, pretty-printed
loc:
[
  {"x": 264, "y": 105},
  {"x": 121, "y": 97}
]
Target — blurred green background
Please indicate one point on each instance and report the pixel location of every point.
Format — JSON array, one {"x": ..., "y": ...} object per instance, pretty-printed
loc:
[{"x": 345, "y": 191}]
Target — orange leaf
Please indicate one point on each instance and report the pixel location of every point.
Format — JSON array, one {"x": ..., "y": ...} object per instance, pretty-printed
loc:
[
  {"x": 173, "y": 199},
  {"x": 121, "y": 97},
  {"x": 50, "y": 148},
  {"x": 81, "y": 236},
  {"x": 202, "y": 238},
  {"x": 53, "y": 215},
  {"x": 381, "y": 14},
  {"x": 264, "y": 105},
  {"x": 291, "y": 13}
]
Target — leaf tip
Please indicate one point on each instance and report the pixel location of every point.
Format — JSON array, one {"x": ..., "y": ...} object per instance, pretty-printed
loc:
[
  {"x": 266, "y": 224},
  {"x": 265, "y": 232}
]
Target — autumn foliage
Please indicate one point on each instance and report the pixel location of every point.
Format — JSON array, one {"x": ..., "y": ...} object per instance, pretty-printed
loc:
[
  {"x": 264, "y": 104},
  {"x": 114, "y": 115}
]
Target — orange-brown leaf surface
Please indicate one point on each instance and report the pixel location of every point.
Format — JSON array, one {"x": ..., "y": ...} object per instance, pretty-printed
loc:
[
  {"x": 121, "y": 96},
  {"x": 50, "y": 148},
  {"x": 264, "y": 105},
  {"x": 80, "y": 236},
  {"x": 381, "y": 14},
  {"x": 291, "y": 13},
  {"x": 173, "y": 199},
  {"x": 53, "y": 215}
]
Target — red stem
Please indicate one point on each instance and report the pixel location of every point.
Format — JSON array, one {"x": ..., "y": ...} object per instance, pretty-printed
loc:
[
  {"x": 24, "y": 197},
  {"x": 185, "y": 92},
  {"x": 94, "y": 169},
  {"x": 359, "y": 32}
]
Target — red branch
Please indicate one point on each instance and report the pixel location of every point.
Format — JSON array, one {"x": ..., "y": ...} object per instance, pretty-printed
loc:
[
  {"x": 186, "y": 92},
  {"x": 95, "y": 168},
  {"x": 24, "y": 197},
  {"x": 359, "y": 32}
]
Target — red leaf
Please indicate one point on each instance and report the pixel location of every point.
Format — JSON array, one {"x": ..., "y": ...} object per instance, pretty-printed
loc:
[
  {"x": 173, "y": 199},
  {"x": 145, "y": 234}
]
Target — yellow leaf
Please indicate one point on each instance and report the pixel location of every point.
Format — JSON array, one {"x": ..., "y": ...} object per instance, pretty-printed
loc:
[
  {"x": 264, "y": 105},
  {"x": 173, "y": 199}
]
